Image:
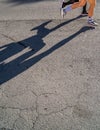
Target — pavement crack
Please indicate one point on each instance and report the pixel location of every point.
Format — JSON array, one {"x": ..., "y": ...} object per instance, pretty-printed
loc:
[
  {"x": 19, "y": 42},
  {"x": 5, "y": 129},
  {"x": 3, "y": 107},
  {"x": 55, "y": 112},
  {"x": 14, "y": 108},
  {"x": 44, "y": 94},
  {"x": 35, "y": 122},
  {"x": 6, "y": 36}
]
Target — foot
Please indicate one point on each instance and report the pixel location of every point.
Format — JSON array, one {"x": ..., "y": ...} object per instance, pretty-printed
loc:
[
  {"x": 92, "y": 22},
  {"x": 84, "y": 13},
  {"x": 62, "y": 12}
]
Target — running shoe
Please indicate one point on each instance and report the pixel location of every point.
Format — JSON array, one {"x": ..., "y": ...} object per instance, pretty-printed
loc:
[
  {"x": 62, "y": 12},
  {"x": 92, "y": 22},
  {"x": 84, "y": 14}
]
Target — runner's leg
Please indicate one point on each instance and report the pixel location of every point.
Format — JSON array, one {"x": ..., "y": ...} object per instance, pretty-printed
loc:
[
  {"x": 81, "y": 3},
  {"x": 91, "y": 7}
]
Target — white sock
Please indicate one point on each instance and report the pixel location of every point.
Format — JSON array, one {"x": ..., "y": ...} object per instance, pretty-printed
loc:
[
  {"x": 90, "y": 18},
  {"x": 67, "y": 8}
]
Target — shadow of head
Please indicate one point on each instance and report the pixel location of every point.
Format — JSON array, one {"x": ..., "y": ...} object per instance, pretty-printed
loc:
[
  {"x": 36, "y": 42},
  {"x": 42, "y": 26}
]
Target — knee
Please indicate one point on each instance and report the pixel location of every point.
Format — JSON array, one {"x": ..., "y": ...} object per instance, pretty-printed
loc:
[
  {"x": 82, "y": 3},
  {"x": 93, "y": 3}
]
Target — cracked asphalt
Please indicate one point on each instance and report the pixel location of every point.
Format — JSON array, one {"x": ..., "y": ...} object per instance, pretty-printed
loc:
[{"x": 49, "y": 68}]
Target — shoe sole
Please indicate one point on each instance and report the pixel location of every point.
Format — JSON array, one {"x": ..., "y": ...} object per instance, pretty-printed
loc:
[
  {"x": 61, "y": 13},
  {"x": 93, "y": 25},
  {"x": 84, "y": 15}
]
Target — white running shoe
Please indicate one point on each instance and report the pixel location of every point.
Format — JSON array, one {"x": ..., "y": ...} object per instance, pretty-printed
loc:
[
  {"x": 92, "y": 22},
  {"x": 62, "y": 12}
]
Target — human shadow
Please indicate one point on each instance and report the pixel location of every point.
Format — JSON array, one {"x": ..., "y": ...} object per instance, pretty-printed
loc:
[
  {"x": 20, "y": 64},
  {"x": 35, "y": 42}
]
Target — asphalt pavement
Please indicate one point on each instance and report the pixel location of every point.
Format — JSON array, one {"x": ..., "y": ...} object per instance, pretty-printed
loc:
[{"x": 49, "y": 67}]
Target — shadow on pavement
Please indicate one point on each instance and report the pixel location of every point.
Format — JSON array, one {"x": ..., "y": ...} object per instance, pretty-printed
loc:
[
  {"x": 35, "y": 43},
  {"x": 24, "y": 1}
]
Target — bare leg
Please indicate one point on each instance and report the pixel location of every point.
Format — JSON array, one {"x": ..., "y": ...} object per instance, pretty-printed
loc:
[
  {"x": 81, "y": 3},
  {"x": 91, "y": 7}
]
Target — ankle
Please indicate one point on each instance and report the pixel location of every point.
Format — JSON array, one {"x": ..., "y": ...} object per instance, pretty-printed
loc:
[{"x": 90, "y": 18}]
